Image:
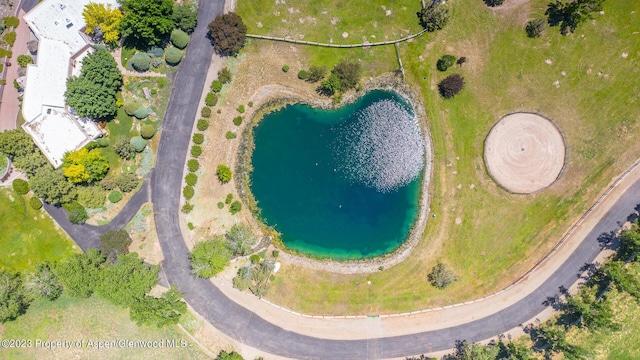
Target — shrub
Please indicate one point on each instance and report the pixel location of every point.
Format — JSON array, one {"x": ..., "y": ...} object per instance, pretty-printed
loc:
[
  {"x": 462, "y": 60},
  {"x": 237, "y": 120},
  {"x": 230, "y": 135},
  {"x": 140, "y": 61},
  {"x": 147, "y": 131},
  {"x": 141, "y": 112},
  {"x": 11, "y": 22},
  {"x": 130, "y": 106},
  {"x": 235, "y": 207},
  {"x": 216, "y": 86},
  {"x": 197, "y": 138},
  {"x": 188, "y": 192},
  {"x": 193, "y": 165},
  {"x": 445, "y": 62},
  {"x": 190, "y": 226},
  {"x": 203, "y": 124},
  {"x": 250, "y": 104},
  {"x": 211, "y": 99},
  {"x": 108, "y": 183},
  {"x": 196, "y": 150},
  {"x": 115, "y": 196},
  {"x": 224, "y": 76},
  {"x": 285, "y": 68},
  {"x": 91, "y": 196},
  {"x": 173, "y": 56},
  {"x": 241, "y": 109},
  {"x": 20, "y": 186},
  {"x": 206, "y": 112},
  {"x": 156, "y": 51},
  {"x": 114, "y": 243},
  {"x": 24, "y": 60},
  {"x": 78, "y": 216},
  {"x": 228, "y": 199},
  {"x": 187, "y": 207},
  {"x": 441, "y": 276},
  {"x": 434, "y": 16},
  {"x": 330, "y": 85},
  {"x": 102, "y": 142},
  {"x": 138, "y": 143},
  {"x": 92, "y": 145},
  {"x": 254, "y": 259},
  {"x": 224, "y": 173},
  {"x": 35, "y": 203},
  {"x": 303, "y": 75},
  {"x": 127, "y": 181},
  {"x": 179, "y": 38},
  {"x": 316, "y": 73},
  {"x": 220, "y": 205},
  {"x": 451, "y": 85},
  {"x": 10, "y": 38},
  {"x": 161, "y": 82},
  {"x": 191, "y": 179},
  {"x": 535, "y": 27},
  {"x": 493, "y": 3},
  {"x": 348, "y": 72},
  {"x": 123, "y": 148}
]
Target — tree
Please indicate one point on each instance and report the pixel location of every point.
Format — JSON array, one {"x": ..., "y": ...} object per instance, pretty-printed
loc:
[
  {"x": 127, "y": 280},
  {"x": 630, "y": 241},
  {"x": 179, "y": 38},
  {"x": 224, "y": 75},
  {"x": 434, "y": 16},
  {"x": 140, "y": 62},
  {"x": 30, "y": 163},
  {"x": 16, "y": 143},
  {"x": 223, "y": 355},
  {"x": 138, "y": 143},
  {"x": 43, "y": 283},
  {"x": 441, "y": 276},
  {"x": 93, "y": 93},
  {"x": 451, "y": 85},
  {"x": 24, "y": 60},
  {"x": 84, "y": 166},
  {"x": 445, "y": 62},
  {"x": 20, "y": 186},
  {"x": 165, "y": 310},
  {"x": 554, "y": 337},
  {"x": 147, "y": 131},
  {"x": 593, "y": 313},
  {"x": 173, "y": 56},
  {"x": 114, "y": 243},
  {"x": 468, "y": 351},
  {"x": 13, "y": 300},
  {"x": 147, "y": 21},
  {"x": 209, "y": 257},
  {"x": 569, "y": 15},
  {"x": 80, "y": 274},
  {"x": 535, "y": 27},
  {"x": 127, "y": 181},
  {"x": 52, "y": 186},
  {"x": 348, "y": 72},
  {"x": 224, "y": 173},
  {"x": 330, "y": 86},
  {"x": 240, "y": 239},
  {"x": 103, "y": 19},
  {"x": 316, "y": 73},
  {"x": 185, "y": 16},
  {"x": 78, "y": 216},
  {"x": 228, "y": 33},
  {"x": 493, "y": 3}
]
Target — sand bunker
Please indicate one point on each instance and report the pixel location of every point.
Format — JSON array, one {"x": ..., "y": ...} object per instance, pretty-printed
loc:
[{"x": 524, "y": 152}]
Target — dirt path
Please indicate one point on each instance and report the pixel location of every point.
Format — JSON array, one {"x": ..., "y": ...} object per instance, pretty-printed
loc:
[{"x": 10, "y": 105}]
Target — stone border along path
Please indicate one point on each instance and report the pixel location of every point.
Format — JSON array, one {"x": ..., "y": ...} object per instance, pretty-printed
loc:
[
  {"x": 250, "y": 328},
  {"x": 302, "y": 42}
]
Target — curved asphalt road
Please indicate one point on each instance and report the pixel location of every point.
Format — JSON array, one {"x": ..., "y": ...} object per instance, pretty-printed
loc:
[{"x": 247, "y": 327}]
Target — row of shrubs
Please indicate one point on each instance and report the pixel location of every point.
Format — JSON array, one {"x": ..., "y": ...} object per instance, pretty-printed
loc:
[
  {"x": 193, "y": 165},
  {"x": 142, "y": 61}
]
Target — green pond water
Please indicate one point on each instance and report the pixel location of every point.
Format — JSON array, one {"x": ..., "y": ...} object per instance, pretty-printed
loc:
[{"x": 335, "y": 184}]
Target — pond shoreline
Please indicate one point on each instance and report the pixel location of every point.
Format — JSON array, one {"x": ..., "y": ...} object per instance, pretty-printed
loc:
[{"x": 274, "y": 97}]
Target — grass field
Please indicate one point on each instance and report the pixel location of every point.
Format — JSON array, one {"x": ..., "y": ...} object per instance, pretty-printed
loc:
[
  {"x": 28, "y": 236},
  {"x": 489, "y": 237},
  {"x": 94, "y": 320}
]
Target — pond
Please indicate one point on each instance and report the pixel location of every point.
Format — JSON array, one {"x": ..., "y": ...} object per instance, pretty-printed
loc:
[{"x": 341, "y": 184}]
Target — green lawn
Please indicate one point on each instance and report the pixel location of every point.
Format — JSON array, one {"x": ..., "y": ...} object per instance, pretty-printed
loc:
[
  {"x": 94, "y": 320},
  {"x": 28, "y": 237},
  {"x": 497, "y": 235}
]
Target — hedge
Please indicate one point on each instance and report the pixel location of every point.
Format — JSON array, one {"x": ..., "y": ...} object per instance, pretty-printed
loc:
[
  {"x": 140, "y": 61},
  {"x": 179, "y": 38},
  {"x": 188, "y": 192},
  {"x": 193, "y": 165},
  {"x": 203, "y": 124},
  {"x": 115, "y": 196},
  {"x": 138, "y": 143},
  {"x": 35, "y": 203},
  {"x": 198, "y": 138},
  {"x": 206, "y": 112},
  {"x": 141, "y": 112},
  {"x": 173, "y": 56},
  {"x": 191, "y": 179},
  {"x": 147, "y": 131},
  {"x": 20, "y": 186},
  {"x": 211, "y": 99},
  {"x": 196, "y": 150}
]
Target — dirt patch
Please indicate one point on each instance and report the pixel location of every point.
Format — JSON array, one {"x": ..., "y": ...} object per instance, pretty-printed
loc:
[
  {"x": 142, "y": 229},
  {"x": 524, "y": 152}
]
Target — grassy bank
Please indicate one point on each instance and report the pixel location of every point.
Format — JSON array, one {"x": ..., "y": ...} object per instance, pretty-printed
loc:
[
  {"x": 488, "y": 236},
  {"x": 29, "y": 236}
]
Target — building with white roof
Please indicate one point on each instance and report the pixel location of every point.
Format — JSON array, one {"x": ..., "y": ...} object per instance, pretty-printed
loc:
[{"x": 62, "y": 45}]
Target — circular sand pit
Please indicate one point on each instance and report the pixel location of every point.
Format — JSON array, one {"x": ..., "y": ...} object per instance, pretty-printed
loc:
[{"x": 524, "y": 152}]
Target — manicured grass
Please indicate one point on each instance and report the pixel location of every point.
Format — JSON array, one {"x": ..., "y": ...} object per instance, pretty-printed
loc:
[
  {"x": 497, "y": 235},
  {"x": 126, "y": 54},
  {"x": 92, "y": 319},
  {"x": 327, "y": 20},
  {"x": 28, "y": 237}
]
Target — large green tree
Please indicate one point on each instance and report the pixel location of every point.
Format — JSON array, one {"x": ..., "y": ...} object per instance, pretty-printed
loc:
[
  {"x": 127, "y": 280},
  {"x": 52, "y": 186},
  {"x": 13, "y": 301},
  {"x": 433, "y": 16},
  {"x": 209, "y": 257},
  {"x": 228, "y": 33},
  {"x": 81, "y": 273},
  {"x": 43, "y": 283},
  {"x": 185, "y": 16},
  {"x": 240, "y": 239},
  {"x": 147, "y": 21},
  {"x": 165, "y": 310},
  {"x": 114, "y": 243},
  {"x": 93, "y": 93},
  {"x": 85, "y": 166},
  {"x": 568, "y": 15},
  {"x": 16, "y": 143}
]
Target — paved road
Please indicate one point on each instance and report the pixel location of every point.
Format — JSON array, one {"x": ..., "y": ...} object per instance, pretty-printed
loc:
[{"x": 247, "y": 327}]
